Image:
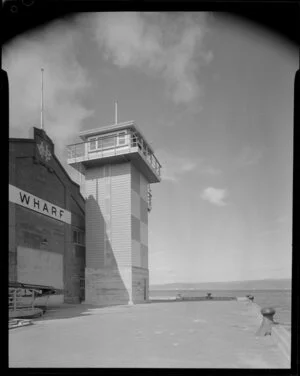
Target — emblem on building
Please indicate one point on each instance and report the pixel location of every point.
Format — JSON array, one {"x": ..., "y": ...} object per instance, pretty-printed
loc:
[{"x": 44, "y": 151}]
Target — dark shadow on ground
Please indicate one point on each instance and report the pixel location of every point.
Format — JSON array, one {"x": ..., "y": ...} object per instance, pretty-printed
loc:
[
  {"x": 192, "y": 299},
  {"x": 79, "y": 310}
]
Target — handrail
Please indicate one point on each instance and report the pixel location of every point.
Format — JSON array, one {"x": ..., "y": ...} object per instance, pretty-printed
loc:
[{"x": 83, "y": 149}]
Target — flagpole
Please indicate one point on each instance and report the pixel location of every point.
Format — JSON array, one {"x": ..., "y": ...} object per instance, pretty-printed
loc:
[
  {"x": 116, "y": 112},
  {"x": 42, "y": 99}
]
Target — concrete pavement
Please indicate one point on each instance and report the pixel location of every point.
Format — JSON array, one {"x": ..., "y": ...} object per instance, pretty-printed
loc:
[{"x": 172, "y": 334}]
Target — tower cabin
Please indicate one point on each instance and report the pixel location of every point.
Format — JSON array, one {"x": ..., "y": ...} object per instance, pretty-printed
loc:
[{"x": 119, "y": 166}]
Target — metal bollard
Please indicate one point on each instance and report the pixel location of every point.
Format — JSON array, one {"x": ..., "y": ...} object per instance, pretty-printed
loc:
[{"x": 267, "y": 323}]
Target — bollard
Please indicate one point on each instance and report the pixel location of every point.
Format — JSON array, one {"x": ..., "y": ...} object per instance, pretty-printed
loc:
[
  {"x": 179, "y": 297},
  {"x": 267, "y": 323}
]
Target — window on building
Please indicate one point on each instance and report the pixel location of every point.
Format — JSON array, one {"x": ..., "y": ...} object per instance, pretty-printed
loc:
[
  {"x": 82, "y": 283},
  {"x": 134, "y": 140},
  {"x": 108, "y": 142},
  {"x": 122, "y": 138},
  {"x": 78, "y": 237},
  {"x": 92, "y": 143}
]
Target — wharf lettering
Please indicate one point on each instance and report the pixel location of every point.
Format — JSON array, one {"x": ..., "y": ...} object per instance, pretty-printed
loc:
[{"x": 25, "y": 199}]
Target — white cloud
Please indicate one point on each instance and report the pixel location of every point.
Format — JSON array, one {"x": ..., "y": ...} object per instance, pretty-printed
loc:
[
  {"x": 167, "y": 44},
  {"x": 54, "y": 49},
  {"x": 174, "y": 166},
  {"x": 214, "y": 195}
]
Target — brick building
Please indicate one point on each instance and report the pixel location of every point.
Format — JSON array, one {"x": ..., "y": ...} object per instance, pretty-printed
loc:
[{"x": 46, "y": 219}]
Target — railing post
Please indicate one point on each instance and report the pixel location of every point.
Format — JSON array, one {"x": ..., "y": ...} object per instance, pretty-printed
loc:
[
  {"x": 33, "y": 295},
  {"x": 15, "y": 299}
]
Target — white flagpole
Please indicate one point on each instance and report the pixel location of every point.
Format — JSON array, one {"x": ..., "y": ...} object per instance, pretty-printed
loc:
[
  {"x": 42, "y": 100},
  {"x": 116, "y": 112}
]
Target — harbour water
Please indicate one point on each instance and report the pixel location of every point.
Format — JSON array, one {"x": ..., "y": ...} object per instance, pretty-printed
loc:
[{"x": 278, "y": 299}]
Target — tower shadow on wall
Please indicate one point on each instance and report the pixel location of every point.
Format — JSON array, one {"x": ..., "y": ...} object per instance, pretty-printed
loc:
[{"x": 104, "y": 284}]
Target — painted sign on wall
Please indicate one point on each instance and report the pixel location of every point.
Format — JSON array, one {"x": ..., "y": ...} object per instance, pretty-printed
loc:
[{"x": 23, "y": 198}]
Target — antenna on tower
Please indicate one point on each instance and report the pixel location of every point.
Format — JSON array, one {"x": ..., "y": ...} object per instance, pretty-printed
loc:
[
  {"x": 42, "y": 98},
  {"x": 116, "y": 112}
]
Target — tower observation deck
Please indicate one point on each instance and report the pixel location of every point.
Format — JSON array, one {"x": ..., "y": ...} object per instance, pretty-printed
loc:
[{"x": 119, "y": 166}]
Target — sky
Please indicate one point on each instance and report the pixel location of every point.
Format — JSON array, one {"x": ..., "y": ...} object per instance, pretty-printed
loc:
[{"x": 213, "y": 97}]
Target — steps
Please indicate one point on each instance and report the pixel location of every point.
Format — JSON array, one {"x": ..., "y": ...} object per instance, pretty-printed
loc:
[{"x": 17, "y": 323}]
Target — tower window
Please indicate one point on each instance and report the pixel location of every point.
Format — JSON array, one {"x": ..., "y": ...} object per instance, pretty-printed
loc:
[
  {"x": 78, "y": 237},
  {"x": 122, "y": 138},
  {"x": 92, "y": 143}
]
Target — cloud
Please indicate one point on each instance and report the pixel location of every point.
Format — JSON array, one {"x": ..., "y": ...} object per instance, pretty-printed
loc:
[
  {"x": 165, "y": 44},
  {"x": 214, "y": 196},
  {"x": 54, "y": 49},
  {"x": 175, "y": 166}
]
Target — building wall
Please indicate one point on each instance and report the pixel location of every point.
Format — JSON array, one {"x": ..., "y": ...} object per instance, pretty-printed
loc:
[
  {"x": 108, "y": 230},
  {"x": 29, "y": 229},
  {"x": 139, "y": 226}
]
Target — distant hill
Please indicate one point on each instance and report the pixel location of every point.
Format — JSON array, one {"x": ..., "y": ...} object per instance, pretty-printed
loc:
[{"x": 263, "y": 284}]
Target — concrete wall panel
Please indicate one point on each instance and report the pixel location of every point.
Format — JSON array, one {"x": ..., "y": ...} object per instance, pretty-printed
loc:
[
  {"x": 135, "y": 228},
  {"x": 40, "y": 267},
  {"x": 107, "y": 286},
  {"x": 136, "y": 253},
  {"x": 135, "y": 204},
  {"x": 144, "y": 234}
]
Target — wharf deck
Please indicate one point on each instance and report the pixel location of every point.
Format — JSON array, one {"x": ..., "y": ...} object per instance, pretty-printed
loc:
[{"x": 186, "y": 334}]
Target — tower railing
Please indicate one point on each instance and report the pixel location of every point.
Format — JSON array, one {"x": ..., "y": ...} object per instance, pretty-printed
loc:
[{"x": 112, "y": 145}]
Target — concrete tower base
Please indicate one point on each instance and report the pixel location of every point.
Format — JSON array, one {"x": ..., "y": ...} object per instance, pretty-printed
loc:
[{"x": 113, "y": 286}]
